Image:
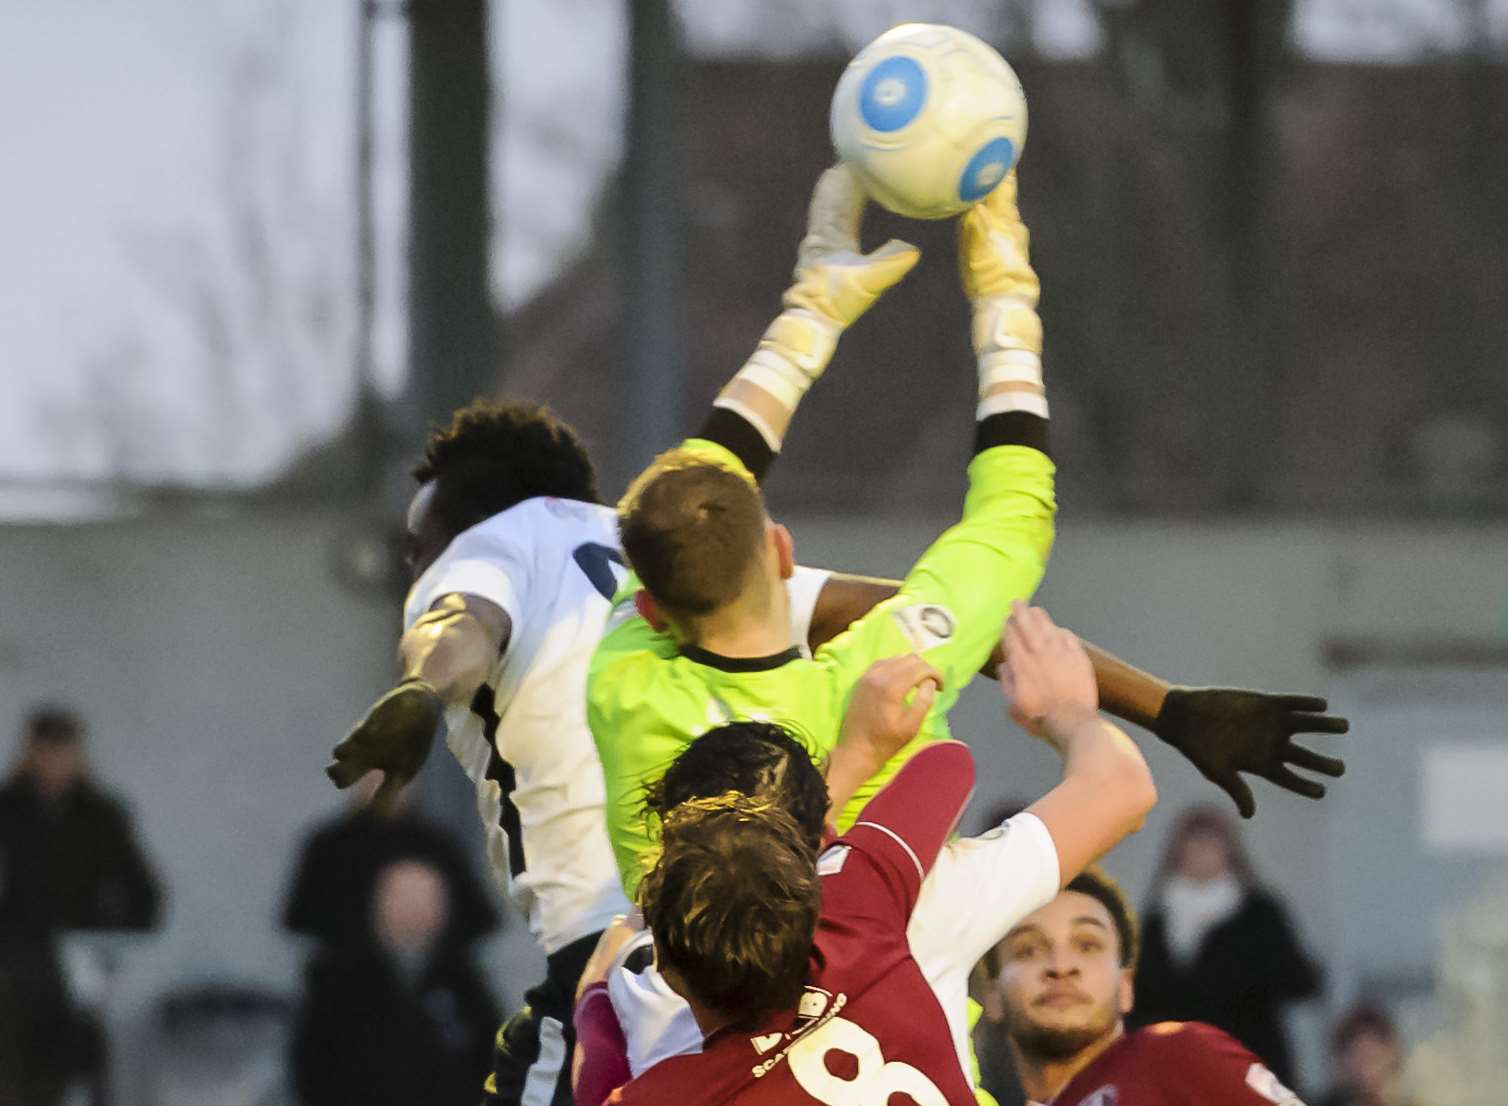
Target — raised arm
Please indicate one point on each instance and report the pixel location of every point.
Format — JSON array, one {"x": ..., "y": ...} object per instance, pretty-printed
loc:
[
  {"x": 446, "y": 655},
  {"x": 953, "y": 600},
  {"x": 1107, "y": 789},
  {"x": 885, "y": 711},
  {"x": 834, "y": 285}
]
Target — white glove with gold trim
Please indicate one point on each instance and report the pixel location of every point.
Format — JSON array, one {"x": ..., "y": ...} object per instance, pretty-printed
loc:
[
  {"x": 995, "y": 264},
  {"x": 835, "y": 284}
]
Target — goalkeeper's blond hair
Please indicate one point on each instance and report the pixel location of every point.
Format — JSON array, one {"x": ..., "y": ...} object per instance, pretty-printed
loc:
[{"x": 692, "y": 531}]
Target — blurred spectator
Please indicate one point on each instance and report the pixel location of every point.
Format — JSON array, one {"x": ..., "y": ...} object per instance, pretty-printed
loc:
[
  {"x": 70, "y": 857},
  {"x": 1217, "y": 947},
  {"x": 331, "y": 894},
  {"x": 1368, "y": 1060},
  {"x": 38, "y": 1027},
  {"x": 69, "y": 860},
  {"x": 405, "y": 1016}
]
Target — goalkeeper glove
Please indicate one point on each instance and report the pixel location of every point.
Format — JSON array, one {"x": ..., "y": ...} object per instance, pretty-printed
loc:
[
  {"x": 1225, "y": 731},
  {"x": 835, "y": 284},
  {"x": 995, "y": 266},
  {"x": 394, "y": 738}
]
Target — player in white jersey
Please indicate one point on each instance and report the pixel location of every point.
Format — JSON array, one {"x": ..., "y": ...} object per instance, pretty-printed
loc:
[
  {"x": 548, "y": 565},
  {"x": 515, "y": 563}
]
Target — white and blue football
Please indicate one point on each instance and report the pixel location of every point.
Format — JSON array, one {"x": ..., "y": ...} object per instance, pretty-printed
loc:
[{"x": 931, "y": 117}]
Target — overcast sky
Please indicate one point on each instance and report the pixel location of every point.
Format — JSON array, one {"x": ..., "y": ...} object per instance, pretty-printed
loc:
[{"x": 141, "y": 140}]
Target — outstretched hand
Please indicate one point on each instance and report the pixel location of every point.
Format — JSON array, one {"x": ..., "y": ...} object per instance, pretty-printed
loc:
[
  {"x": 1226, "y": 731},
  {"x": 394, "y": 738}
]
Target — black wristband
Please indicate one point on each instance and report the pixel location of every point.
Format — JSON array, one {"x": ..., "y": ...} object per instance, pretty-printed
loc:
[
  {"x": 739, "y": 437},
  {"x": 1011, "y": 428}
]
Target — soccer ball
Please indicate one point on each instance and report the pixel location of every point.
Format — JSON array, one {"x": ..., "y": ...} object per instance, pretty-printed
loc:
[{"x": 930, "y": 117}]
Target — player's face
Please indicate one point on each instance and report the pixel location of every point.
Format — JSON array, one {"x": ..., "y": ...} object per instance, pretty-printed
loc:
[
  {"x": 1062, "y": 982},
  {"x": 423, "y": 538}
]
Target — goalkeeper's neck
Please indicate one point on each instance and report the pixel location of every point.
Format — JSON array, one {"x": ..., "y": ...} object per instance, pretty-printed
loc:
[{"x": 756, "y": 624}]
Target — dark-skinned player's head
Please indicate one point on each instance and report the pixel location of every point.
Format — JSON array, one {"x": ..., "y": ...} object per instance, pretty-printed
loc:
[
  {"x": 1065, "y": 970},
  {"x": 492, "y": 455},
  {"x": 698, "y": 537},
  {"x": 751, "y": 758},
  {"x": 733, "y": 901}
]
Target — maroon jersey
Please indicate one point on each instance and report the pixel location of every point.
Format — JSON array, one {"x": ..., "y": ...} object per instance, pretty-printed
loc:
[
  {"x": 1176, "y": 1064},
  {"x": 868, "y": 1026}
]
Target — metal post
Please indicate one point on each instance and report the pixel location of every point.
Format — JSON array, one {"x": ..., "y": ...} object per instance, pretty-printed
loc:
[
  {"x": 654, "y": 212},
  {"x": 453, "y": 329},
  {"x": 368, "y": 423}
]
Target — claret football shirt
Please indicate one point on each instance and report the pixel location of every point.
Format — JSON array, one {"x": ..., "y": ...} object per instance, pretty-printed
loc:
[
  {"x": 1176, "y": 1064},
  {"x": 869, "y": 1028}
]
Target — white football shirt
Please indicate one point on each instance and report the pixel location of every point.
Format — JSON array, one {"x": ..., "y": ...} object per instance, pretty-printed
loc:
[{"x": 552, "y": 565}]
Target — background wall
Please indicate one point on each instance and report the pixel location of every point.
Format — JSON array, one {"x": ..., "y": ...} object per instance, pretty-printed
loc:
[{"x": 217, "y": 660}]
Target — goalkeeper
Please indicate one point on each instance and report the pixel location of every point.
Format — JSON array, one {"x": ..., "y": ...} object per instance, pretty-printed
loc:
[
  {"x": 702, "y": 648},
  {"x": 709, "y": 642}
]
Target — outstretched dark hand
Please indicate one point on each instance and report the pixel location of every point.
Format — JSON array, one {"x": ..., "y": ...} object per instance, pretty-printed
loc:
[
  {"x": 1224, "y": 731},
  {"x": 394, "y": 738}
]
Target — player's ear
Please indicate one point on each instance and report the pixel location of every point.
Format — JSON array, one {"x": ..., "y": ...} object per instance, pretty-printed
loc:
[
  {"x": 785, "y": 549},
  {"x": 649, "y": 610},
  {"x": 1126, "y": 996}
]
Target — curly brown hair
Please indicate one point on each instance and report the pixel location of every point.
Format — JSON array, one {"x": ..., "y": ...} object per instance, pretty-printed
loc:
[{"x": 733, "y": 901}]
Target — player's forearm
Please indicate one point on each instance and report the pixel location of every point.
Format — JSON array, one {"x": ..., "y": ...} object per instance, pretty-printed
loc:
[
  {"x": 843, "y": 600},
  {"x": 835, "y": 284},
  {"x": 452, "y": 649},
  {"x": 1100, "y": 753},
  {"x": 1125, "y": 691},
  {"x": 1105, "y": 793},
  {"x": 730, "y": 429},
  {"x": 848, "y": 768}
]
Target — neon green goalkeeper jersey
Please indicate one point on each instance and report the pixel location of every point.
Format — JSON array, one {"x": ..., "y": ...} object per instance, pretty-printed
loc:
[{"x": 648, "y": 697}]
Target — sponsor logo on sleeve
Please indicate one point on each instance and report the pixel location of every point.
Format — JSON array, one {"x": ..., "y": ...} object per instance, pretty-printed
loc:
[
  {"x": 813, "y": 1002},
  {"x": 831, "y": 862},
  {"x": 926, "y": 625}
]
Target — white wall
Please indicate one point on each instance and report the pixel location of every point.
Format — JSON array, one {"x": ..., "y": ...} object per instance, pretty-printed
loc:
[{"x": 217, "y": 661}]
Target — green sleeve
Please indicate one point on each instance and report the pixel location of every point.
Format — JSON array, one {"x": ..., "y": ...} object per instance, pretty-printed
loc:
[
  {"x": 981, "y": 1096},
  {"x": 954, "y": 601}
]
